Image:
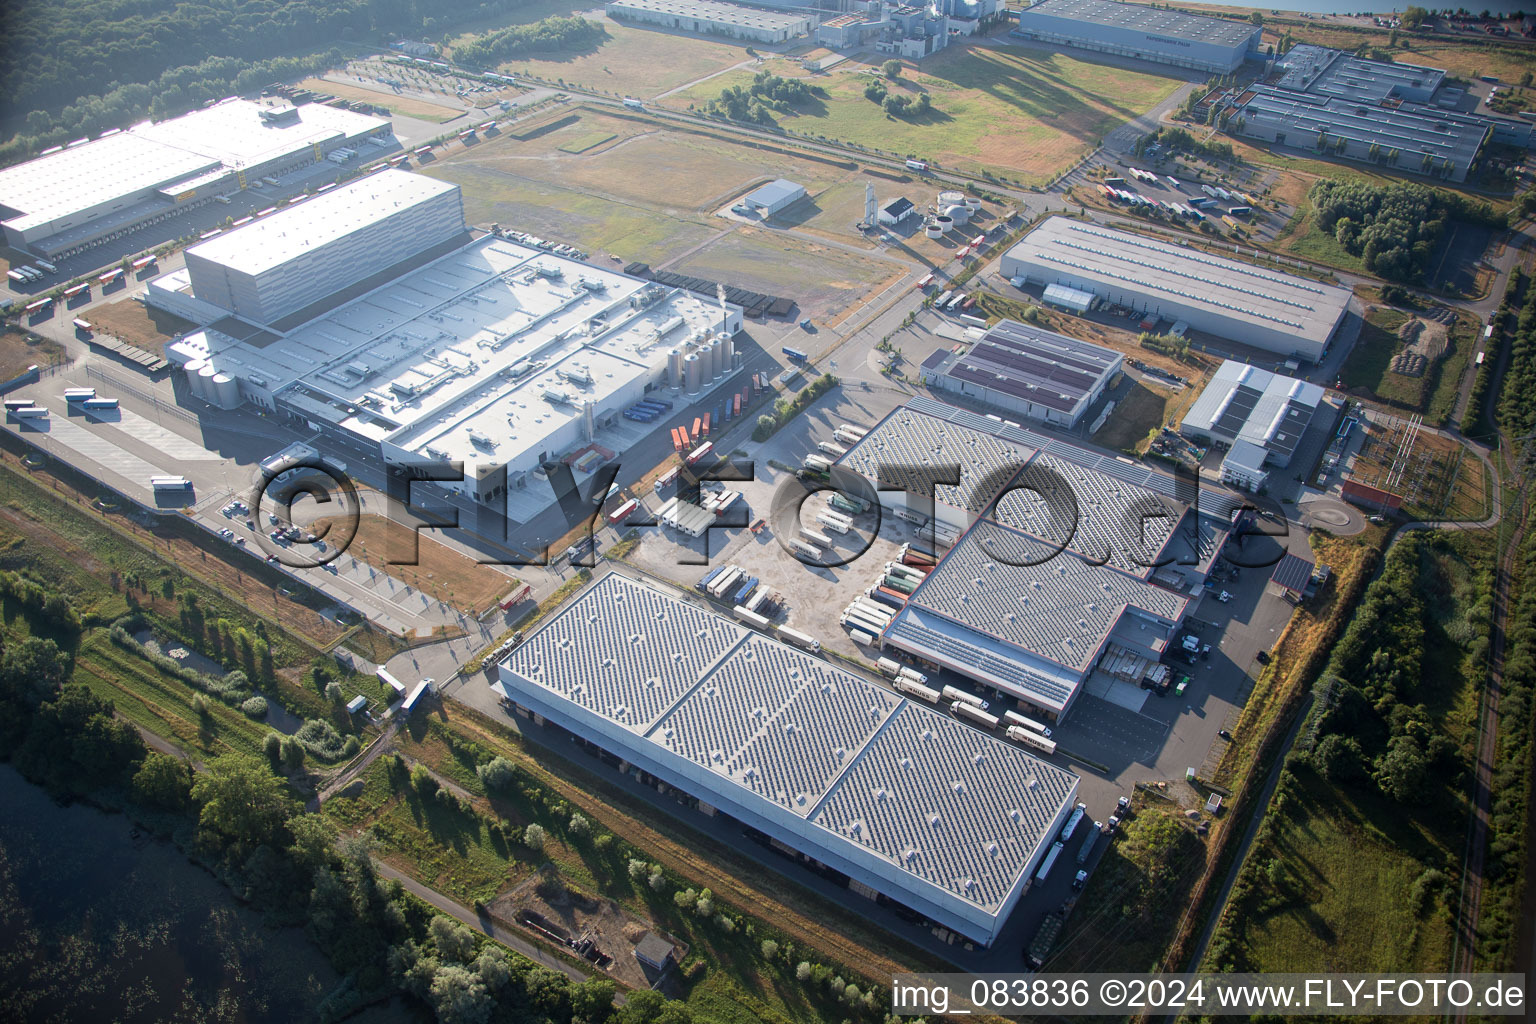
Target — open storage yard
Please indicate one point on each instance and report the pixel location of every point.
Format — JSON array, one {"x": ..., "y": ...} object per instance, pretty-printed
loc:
[{"x": 1023, "y": 113}]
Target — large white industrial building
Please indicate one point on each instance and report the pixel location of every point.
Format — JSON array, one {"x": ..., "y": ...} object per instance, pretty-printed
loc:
[
  {"x": 1074, "y": 570},
  {"x": 1252, "y": 305},
  {"x": 1136, "y": 30},
  {"x": 1023, "y": 370},
  {"x": 714, "y": 18},
  {"x": 488, "y": 353},
  {"x": 284, "y": 262},
  {"x": 90, "y": 191},
  {"x": 910, "y": 805},
  {"x": 1259, "y": 416}
]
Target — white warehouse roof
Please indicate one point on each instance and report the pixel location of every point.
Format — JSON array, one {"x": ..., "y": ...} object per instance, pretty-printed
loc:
[
  {"x": 935, "y": 814},
  {"x": 1151, "y": 20},
  {"x": 279, "y": 237},
  {"x": 1242, "y": 301},
  {"x": 123, "y": 165},
  {"x": 1243, "y": 403},
  {"x": 719, "y": 13}
]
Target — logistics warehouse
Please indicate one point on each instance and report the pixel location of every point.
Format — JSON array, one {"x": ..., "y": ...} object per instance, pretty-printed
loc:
[
  {"x": 369, "y": 312},
  {"x": 908, "y": 805},
  {"x": 1069, "y": 570},
  {"x": 73, "y": 197}
]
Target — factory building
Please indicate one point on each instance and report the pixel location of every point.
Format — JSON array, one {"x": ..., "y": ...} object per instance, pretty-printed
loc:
[
  {"x": 1336, "y": 104},
  {"x": 713, "y": 18},
  {"x": 1241, "y": 302},
  {"x": 485, "y": 353},
  {"x": 1072, "y": 574},
  {"x": 901, "y": 30},
  {"x": 1260, "y": 417},
  {"x": 1214, "y": 45},
  {"x": 897, "y": 211},
  {"x": 1025, "y": 371},
  {"x": 282, "y": 263},
  {"x": 91, "y": 191},
  {"x": 904, "y": 803}
]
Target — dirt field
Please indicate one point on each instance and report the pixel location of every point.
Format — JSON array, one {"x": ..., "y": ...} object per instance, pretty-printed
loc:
[
  {"x": 438, "y": 570},
  {"x": 406, "y": 105},
  {"x": 19, "y": 350},
  {"x": 634, "y": 61},
  {"x": 138, "y": 325}
]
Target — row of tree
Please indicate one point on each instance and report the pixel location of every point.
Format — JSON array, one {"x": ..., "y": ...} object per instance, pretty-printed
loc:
[{"x": 556, "y": 34}]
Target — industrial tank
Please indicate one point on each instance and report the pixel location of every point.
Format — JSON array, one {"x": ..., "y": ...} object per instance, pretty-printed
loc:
[
  {"x": 226, "y": 391},
  {"x": 692, "y": 371},
  {"x": 194, "y": 381},
  {"x": 951, "y": 199},
  {"x": 205, "y": 389},
  {"x": 959, "y": 214},
  {"x": 934, "y": 229},
  {"x": 675, "y": 368}
]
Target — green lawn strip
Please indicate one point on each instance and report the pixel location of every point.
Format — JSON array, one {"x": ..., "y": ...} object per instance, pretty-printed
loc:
[{"x": 586, "y": 141}]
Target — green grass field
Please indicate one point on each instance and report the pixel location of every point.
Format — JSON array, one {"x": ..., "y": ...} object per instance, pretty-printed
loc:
[
  {"x": 1369, "y": 364},
  {"x": 588, "y": 141},
  {"x": 1024, "y": 113},
  {"x": 161, "y": 704}
]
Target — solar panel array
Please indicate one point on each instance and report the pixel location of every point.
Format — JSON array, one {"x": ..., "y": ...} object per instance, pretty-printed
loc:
[
  {"x": 1050, "y": 604},
  {"x": 916, "y": 629},
  {"x": 1038, "y": 366},
  {"x": 1102, "y": 518},
  {"x": 942, "y": 804},
  {"x": 948, "y": 804},
  {"x": 624, "y": 651},
  {"x": 910, "y": 448},
  {"x": 777, "y": 721}
]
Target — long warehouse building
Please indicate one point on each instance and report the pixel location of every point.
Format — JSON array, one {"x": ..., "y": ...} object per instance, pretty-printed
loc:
[
  {"x": 1134, "y": 30},
  {"x": 909, "y": 804},
  {"x": 713, "y": 18},
  {"x": 91, "y": 191},
  {"x": 1241, "y": 302}
]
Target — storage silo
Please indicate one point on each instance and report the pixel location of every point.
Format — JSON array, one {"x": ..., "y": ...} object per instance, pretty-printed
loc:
[
  {"x": 724, "y": 338},
  {"x": 675, "y": 368},
  {"x": 951, "y": 199},
  {"x": 205, "y": 384},
  {"x": 226, "y": 391},
  {"x": 960, "y": 214},
  {"x": 194, "y": 382},
  {"x": 940, "y": 226},
  {"x": 691, "y": 373},
  {"x": 588, "y": 420},
  {"x": 972, "y": 203},
  {"x": 716, "y": 360}
]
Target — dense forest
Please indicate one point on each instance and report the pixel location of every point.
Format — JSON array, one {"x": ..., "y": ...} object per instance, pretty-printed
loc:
[
  {"x": 550, "y": 35},
  {"x": 74, "y": 67},
  {"x": 1394, "y": 229}
]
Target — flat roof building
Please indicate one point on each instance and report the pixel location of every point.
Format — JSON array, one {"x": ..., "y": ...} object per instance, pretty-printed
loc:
[
  {"x": 495, "y": 355},
  {"x": 282, "y": 263},
  {"x": 1261, "y": 415},
  {"x": 710, "y": 16},
  {"x": 1147, "y": 33},
  {"x": 1037, "y": 374},
  {"x": 1262, "y": 308},
  {"x": 1073, "y": 556},
  {"x": 1414, "y": 137},
  {"x": 769, "y": 199},
  {"x": 905, "y": 801},
  {"x": 78, "y": 196}
]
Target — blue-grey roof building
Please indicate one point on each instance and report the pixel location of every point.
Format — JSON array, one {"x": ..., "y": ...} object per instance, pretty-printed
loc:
[
  {"x": 909, "y": 804},
  {"x": 1023, "y": 370},
  {"x": 1134, "y": 30}
]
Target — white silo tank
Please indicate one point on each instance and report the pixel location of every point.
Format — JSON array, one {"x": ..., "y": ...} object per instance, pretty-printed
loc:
[
  {"x": 675, "y": 368},
  {"x": 958, "y": 214},
  {"x": 691, "y": 373},
  {"x": 716, "y": 360},
  {"x": 707, "y": 361},
  {"x": 205, "y": 384},
  {"x": 192, "y": 369},
  {"x": 972, "y": 203},
  {"x": 951, "y": 199},
  {"x": 933, "y": 229},
  {"x": 730, "y": 350},
  {"x": 943, "y": 224},
  {"x": 588, "y": 420},
  {"x": 226, "y": 391}
]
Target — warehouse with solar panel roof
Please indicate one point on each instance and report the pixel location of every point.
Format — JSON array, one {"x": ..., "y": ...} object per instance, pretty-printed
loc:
[
  {"x": 1067, "y": 568},
  {"x": 908, "y": 805}
]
